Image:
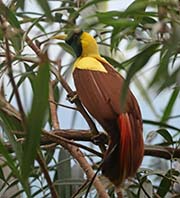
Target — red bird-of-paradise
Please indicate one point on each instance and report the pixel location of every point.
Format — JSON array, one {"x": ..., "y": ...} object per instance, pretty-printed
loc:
[{"x": 99, "y": 87}]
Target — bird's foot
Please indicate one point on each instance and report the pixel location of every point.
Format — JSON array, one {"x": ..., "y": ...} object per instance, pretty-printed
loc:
[
  {"x": 71, "y": 97},
  {"x": 101, "y": 138}
]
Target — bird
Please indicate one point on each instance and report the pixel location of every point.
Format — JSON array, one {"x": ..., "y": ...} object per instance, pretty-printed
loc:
[{"x": 99, "y": 87}]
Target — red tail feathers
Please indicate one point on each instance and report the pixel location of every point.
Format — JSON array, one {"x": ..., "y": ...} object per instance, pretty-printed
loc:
[
  {"x": 125, "y": 152},
  {"x": 131, "y": 146}
]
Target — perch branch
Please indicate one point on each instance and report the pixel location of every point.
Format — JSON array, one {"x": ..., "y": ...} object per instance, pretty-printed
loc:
[
  {"x": 73, "y": 150},
  {"x": 79, "y": 156}
]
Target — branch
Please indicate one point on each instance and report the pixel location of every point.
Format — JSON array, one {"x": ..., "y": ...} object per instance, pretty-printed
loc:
[
  {"x": 162, "y": 152},
  {"x": 79, "y": 156},
  {"x": 44, "y": 169},
  {"x": 68, "y": 135},
  {"x": 10, "y": 73},
  {"x": 53, "y": 107},
  {"x": 72, "y": 148}
]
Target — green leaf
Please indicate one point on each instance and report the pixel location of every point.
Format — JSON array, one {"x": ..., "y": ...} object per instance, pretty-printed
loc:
[
  {"x": 162, "y": 71},
  {"x": 20, "y": 3},
  {"x": 135, "y": 6},
  {"x": 166, "y": 135},
  {"x": 165, "y": 184},
  {"x": 145, "y": 95},
  {"x": 15, "y": 35},
  {"x": 10, "y": 15},
  {"x": 113, "y": 62},
  {"x": 16, "y": 41},
  {"x": 36, "y": 118},
  {"x": 139, "y": 61},
  {"x": 2, "y": 175},
  {"x": 147, "y": 189},
  {"x": 11, "y": 164},
  {"x": 46, "y": 8},
  {"x": 67, "y": 48},
  {"x": 170, "y": 105},
  {"x": 9, "y": 160},
  {"x": 9, "y": 123}
]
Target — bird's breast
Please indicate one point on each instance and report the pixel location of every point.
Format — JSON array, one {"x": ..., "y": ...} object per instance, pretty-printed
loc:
[
  {"x": 97, "y": 94},
  {"x": 89, "y": 63}
]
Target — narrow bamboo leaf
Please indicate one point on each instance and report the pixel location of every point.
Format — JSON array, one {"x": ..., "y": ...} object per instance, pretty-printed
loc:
[
  {"x": 46, "y": 8},
  {"x": 162, "y": 71},
  {"x": 67, "y": 48},
  {"x": 147, "y": 189},
  {"x": 2, "y": 175},
  {"x": 8, "y": 124},
  {"x": 165, "y": 184},
  {"x": 15, "y": 35},
  {"x": 166, "y": 135},
  {"x": 10, "y": 16},
  {"x": 36, "y": 118},
  {"x": 137, "y": 6},
  {"x": 145, "y": 96},
  {"x": 155, "y": 123},
  {"x": 20, "y": 3},
  {"x": 139, "y": 61},
  {"x": 113, "y": 62},
  {"x": 170, "y": 105},
  {"x": 9, "y": 160},
  {"x": 16, "y": 41}
]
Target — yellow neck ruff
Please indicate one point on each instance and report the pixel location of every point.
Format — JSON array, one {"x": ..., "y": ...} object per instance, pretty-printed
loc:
[{"x": 90, "y": 58}]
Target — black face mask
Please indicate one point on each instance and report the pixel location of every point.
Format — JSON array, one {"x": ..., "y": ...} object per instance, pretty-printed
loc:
[{"x": 74, "y": 41}]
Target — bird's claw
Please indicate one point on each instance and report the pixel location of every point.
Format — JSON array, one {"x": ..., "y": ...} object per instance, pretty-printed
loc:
[
  {"x": 101, "y": 138},
  {"x": 72, "y": 97}
]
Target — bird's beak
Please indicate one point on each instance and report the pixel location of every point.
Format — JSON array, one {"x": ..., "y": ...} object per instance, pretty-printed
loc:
[{"x": 59, "y": 37}]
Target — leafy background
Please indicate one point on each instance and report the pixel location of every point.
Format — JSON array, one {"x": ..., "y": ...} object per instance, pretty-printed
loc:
[{"x": 141, "y": 40}]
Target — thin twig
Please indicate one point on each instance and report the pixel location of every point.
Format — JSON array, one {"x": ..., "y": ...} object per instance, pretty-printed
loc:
[
  {"x": 65, "y": 106},
  {"x": 46, "y": 175},
  {"x": 79, "y": 156},
  {"x": 10, "y": 73},
  {"x": 60, "y": 140},
  {"x": 80, "y": 189},
  {"x": 53, "y": 107},
  {"x": 19, "y": 103}
]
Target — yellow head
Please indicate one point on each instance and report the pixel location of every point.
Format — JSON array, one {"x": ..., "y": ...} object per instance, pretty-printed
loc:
[{"x": 83, "y": 44}]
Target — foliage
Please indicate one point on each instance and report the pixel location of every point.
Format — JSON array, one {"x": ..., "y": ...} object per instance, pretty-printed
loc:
[{"x": 32, "y": 72}]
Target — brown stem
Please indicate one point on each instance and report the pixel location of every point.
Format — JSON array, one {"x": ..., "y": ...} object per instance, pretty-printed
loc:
[
  {"x": 46, "y": 175},
  {"x": 58, "y": 139},
  {"x": 79, "y": 156},
  {"x": 162, "y": 152},
  {"x": 34, "y": 47},
  {"x": 10, "y": 73},
  {"x": 18, "y": 99},
  {"x": 53, "y": 107}
]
